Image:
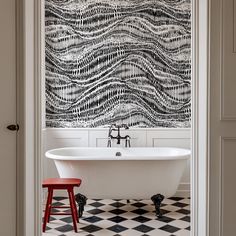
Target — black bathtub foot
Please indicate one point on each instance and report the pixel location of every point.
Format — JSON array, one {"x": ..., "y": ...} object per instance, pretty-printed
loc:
[
  {"x": 157, "y": 200},
  {"x": 128, "y": 201},
  {"x": 81, "y": 201}
]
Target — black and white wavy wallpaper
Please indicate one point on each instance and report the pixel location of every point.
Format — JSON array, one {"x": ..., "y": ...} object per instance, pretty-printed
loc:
[{"x": 118, "y": 61}]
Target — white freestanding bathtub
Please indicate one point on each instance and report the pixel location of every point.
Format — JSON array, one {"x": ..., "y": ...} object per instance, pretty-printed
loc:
[{"x": 122, "y": 173}]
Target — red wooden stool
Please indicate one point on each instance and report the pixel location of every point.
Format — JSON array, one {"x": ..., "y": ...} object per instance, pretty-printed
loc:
[{"x": 61, "y": 183}]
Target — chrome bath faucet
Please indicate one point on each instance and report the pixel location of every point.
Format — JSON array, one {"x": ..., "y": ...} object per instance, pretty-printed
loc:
[{"x": 118, "y": 137}]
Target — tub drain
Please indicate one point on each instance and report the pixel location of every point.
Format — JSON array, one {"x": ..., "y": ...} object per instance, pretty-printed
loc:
[{"x": 118, "y": 154}]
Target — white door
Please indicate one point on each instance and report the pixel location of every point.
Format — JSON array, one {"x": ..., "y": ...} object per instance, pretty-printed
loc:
[
  {"x": 7, "y": 117},
  {"x": 223, "y": 118}
]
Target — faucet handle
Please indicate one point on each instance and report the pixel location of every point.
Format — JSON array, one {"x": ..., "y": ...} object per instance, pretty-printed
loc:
[
  {"x": 127, "y": 141},
  {"x": 109, "y": 142}
]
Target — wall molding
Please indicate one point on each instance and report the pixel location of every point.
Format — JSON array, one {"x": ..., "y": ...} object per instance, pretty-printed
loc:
[
  {"x": 223, "y": 116},
  {"x": 234, "y": 24},
  {"x": 223, "y": 140}
]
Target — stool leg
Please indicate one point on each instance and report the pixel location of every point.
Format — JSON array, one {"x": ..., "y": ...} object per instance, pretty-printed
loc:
[
  {"x": 50, "y": 204},
  {"x": 46, "y": 213},
  {"x": 73, "y": 212},
  {"x": 75, "y": 206}
]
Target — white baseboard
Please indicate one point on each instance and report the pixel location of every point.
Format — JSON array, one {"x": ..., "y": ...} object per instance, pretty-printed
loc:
[
  {"x": 183, "y": 190},
  {"x": 183, "y": 193}
]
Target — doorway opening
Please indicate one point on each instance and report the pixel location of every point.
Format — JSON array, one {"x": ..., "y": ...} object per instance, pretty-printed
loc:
[{"x": 196, "y": 122}]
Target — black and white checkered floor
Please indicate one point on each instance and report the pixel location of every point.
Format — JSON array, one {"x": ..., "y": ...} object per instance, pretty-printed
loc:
[{"x": 117, "y": 217}]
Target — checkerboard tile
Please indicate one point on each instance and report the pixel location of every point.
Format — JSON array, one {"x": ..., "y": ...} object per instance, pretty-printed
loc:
[{"x": 106, "y": 217}]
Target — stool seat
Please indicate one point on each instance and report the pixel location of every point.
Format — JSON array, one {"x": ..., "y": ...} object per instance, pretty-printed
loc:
[
  {"x": 66, "y": 184},
  {"x": 57, "y": 182}
]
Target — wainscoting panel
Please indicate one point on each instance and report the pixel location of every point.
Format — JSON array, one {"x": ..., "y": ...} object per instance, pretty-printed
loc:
[
  {"x": 228, "y": 192},
  {"x": 67, "y": 138},
  {"x": 171, "y": 142},
  {"x": 175, "y": 138},
  {"x": 228, "y": 61},
  {"x": 56, "y": 138}
]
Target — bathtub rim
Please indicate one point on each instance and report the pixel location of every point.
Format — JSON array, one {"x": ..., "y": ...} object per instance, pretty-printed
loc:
[{"x": 186, "y": 155}]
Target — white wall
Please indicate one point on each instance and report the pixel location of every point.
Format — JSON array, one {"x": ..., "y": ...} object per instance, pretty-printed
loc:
[{"x": 55, "y": 138}]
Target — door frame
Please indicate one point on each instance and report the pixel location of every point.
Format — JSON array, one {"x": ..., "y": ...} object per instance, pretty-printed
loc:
[{"x": 29, "y": 63}]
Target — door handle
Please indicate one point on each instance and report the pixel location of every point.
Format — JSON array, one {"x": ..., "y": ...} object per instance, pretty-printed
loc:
[{"x": 13, "y": 127}]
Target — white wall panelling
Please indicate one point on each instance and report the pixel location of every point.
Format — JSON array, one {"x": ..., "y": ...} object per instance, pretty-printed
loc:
[
  {"x": 56, "y": 138},
  {"x": 170, "y": 137},
  {"x": 67, "y": 138},
  {"x": 98, "y": 137}
]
